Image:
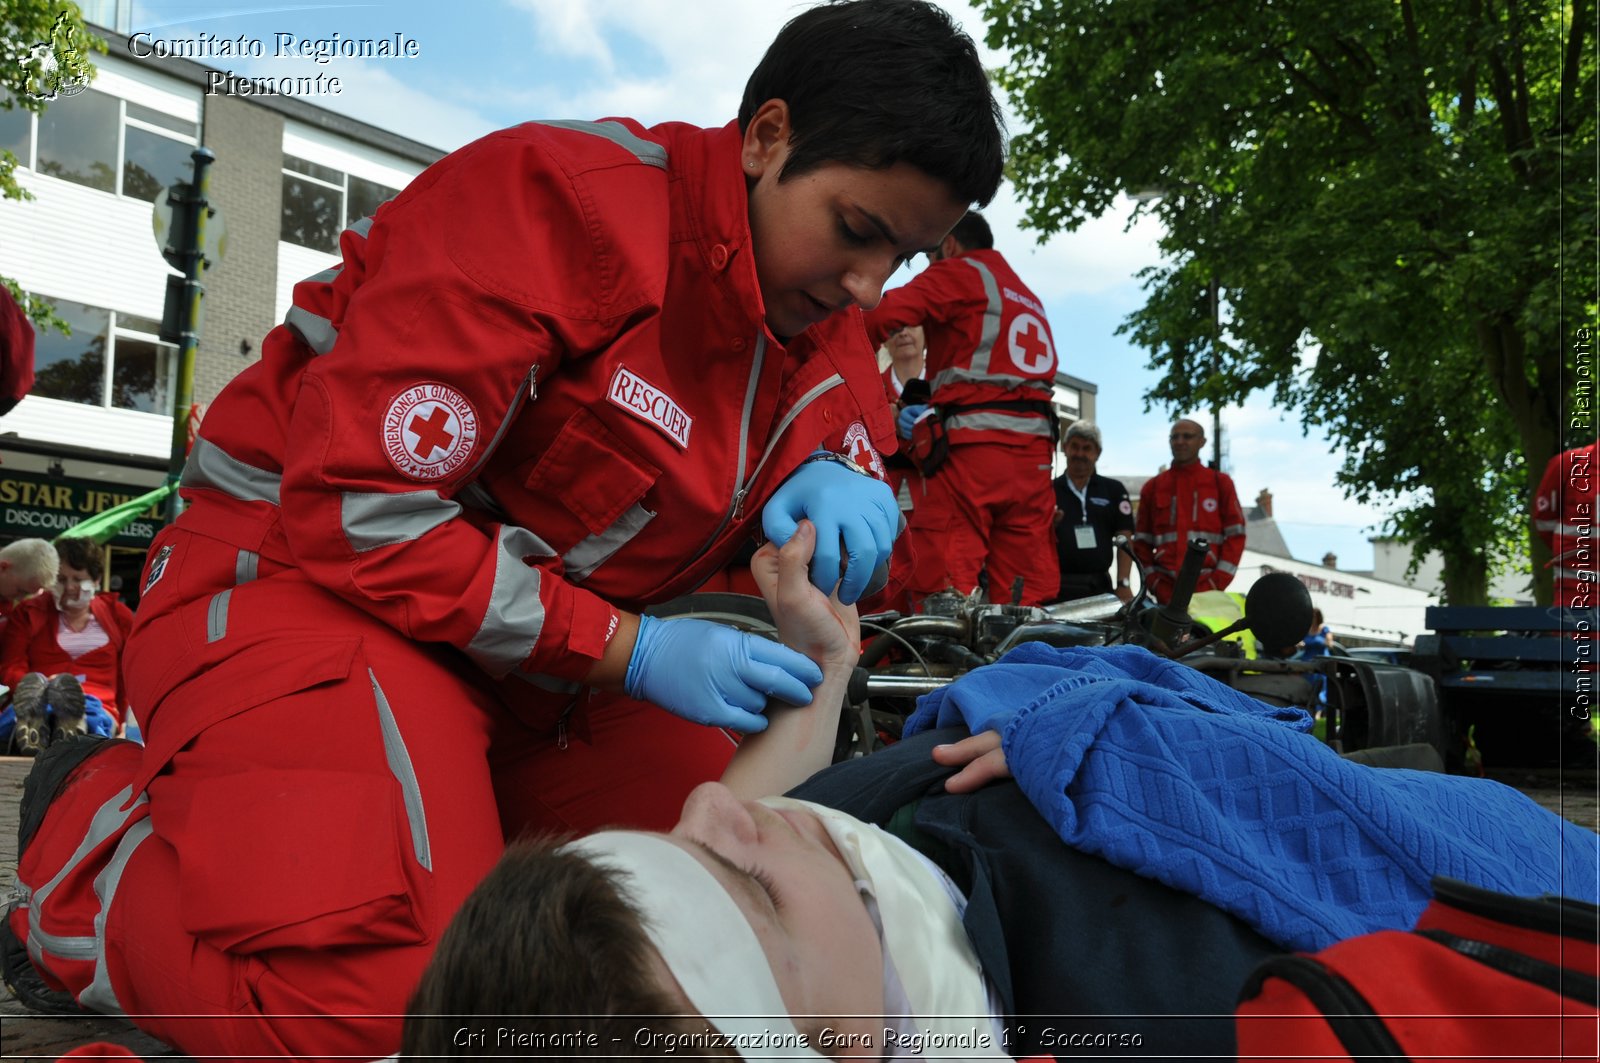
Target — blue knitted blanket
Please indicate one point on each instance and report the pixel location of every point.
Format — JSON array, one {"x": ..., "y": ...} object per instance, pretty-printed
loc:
[{"x": 1161, "y": 770}]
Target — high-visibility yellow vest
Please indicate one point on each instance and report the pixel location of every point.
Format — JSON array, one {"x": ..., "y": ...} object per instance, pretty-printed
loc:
[{"x": 1215, "y": 610}]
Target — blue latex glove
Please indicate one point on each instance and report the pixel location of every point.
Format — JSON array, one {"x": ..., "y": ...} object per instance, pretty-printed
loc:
[
  {"x": 844, "y": 505},
  {"x": 908, "y": 417},
  {"x": 712, "y": 674}
]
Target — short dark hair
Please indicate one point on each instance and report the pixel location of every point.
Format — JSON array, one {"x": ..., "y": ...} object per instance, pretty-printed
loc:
[
  {"x": 547, "y": 946},
  {"x": 874, "y": 82},
  {"x": 83, "y": 553},
  {"x": 973, "y": 233}
]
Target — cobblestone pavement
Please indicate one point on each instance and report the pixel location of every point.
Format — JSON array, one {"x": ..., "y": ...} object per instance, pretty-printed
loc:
[{"x": 24, "y": 1035}]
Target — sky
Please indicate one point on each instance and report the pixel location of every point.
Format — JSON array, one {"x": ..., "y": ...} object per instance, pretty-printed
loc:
[{"x": 485, "y": 64}]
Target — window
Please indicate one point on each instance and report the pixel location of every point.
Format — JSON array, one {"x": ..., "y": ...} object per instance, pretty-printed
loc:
[
  {"x": 78, "y": 140},
  {"x": 156, "y": 152},
  {"x": 75, "y": 368},
  {"x": 16, "y": 132},
  {"x": 104, "y": 142},
  {"x": 319, "y": 202}
]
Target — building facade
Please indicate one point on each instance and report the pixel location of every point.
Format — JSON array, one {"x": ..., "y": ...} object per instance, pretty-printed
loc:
[{"x": 288, "y": 177}]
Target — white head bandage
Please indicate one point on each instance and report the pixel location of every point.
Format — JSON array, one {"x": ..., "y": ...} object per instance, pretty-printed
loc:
[{"x": 704, "y": 938}]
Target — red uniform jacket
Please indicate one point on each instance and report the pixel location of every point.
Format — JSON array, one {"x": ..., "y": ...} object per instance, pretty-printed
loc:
[
  {"x": 1184, "y": 501},
  {"x": 538, "y": 383},
  {"x": 29, "y": 645},
  {"x": 988, "y": 342},
  {"x": 1564, "y": 516}
]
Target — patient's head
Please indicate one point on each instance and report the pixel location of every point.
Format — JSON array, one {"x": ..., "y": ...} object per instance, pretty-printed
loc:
[{"x": 741, "y": 909}]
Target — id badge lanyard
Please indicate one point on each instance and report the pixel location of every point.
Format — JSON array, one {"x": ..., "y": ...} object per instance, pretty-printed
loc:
[{"x": 1083, "y": 531}]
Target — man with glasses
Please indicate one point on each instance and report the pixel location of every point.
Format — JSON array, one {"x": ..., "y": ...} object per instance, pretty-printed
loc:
[{"x": 1182, "y": 502}]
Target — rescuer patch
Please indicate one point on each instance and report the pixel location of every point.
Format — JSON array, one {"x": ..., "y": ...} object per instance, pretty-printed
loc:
[
  {"x": 429, "y": 431},
  {"x": 650, "y": 404}
]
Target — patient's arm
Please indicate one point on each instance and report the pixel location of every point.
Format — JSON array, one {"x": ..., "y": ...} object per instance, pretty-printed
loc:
[{"x": 799, "y": 740}]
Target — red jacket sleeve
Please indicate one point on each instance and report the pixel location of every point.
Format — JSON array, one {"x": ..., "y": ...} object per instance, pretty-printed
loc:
[
  {"x": 14, "y": 644},
  {"x": 477, "y": 285},
  {"x": 1233, "y": 533},
  {"x": 1547, "y": 515},
  {"x": 1144, "y": 526},
  {"x": 942, "y": 292}
]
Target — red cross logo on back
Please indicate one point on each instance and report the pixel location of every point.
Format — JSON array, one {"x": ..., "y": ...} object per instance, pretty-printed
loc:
[
  {"x": 1029, "y": 342},
  {"x": 431, "y": 433}
]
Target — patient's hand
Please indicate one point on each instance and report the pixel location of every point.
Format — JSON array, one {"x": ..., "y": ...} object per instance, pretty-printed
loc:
[
  {"x": 808, "y": 621},
  {"x": 983, "y": 759}
]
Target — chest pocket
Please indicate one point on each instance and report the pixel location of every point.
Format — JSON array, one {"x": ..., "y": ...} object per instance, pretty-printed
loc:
[{"x": 590, "y": 483}]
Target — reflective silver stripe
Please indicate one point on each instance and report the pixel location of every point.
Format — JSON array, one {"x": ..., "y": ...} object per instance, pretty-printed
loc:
[
  {"x": 991, "y": 317},
  {"x": 596, "y": 550},
  {"x": 245, "y": 568},
  {"x": 211, "y": 466},
  {"x": 1572, "y": 531},
  {"x": 646, "y": 151},
  {"x": 383, "y": 518},
  {"x": 361, "y": 228},
  {"x": 327, "y": 276},
  {"x": 108, "y": 819},
  {"x": 99, "y": 995},
  {"x": 217, "y": 615},
  {"x": 1163, "y": 539},
  {"x": 984, "y": 421},
  {"x": 315, "y": 331},
  {"x": 1144, "y": 537},
  {"x": 515, "y": 616},
  {"x": 1233, "y": 529},
  {"x": 394, "y": 751},
  {"x": 1230, "y": 569},
  {"x": 66, "y": 948},
  {"x": 1004, "y": 380}
]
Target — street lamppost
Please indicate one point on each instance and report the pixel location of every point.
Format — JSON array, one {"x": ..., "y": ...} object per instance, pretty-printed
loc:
[{"x": 1213, "y": 298}]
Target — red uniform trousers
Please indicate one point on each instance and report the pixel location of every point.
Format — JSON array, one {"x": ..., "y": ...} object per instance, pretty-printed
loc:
[
  {"x": 322, "y": 795},
  {"x": 989, "y": 506}
]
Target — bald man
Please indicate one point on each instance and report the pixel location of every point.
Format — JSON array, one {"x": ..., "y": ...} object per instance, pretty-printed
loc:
[{"x": 1181, "y": 502}]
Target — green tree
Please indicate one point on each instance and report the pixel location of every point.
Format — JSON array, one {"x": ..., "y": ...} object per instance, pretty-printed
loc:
[
  {"x": 1396, "y": 201},
  {"x": 44, "y": 50}
]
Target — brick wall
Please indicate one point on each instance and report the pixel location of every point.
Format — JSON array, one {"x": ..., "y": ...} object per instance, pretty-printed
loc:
[{"x": 247, "y": 186}]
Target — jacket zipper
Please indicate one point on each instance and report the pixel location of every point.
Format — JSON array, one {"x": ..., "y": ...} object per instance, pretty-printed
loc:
[
  {"x": 528, "y": 389},
  {"x": 736, "y": 510}
]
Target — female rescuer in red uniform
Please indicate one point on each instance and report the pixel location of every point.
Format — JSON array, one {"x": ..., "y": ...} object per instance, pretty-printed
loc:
[{"x": 560, "y": 377}]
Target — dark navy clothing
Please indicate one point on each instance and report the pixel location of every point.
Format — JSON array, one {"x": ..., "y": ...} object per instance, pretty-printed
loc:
[
  {"x": 1065, "y": 937},
  {"x": 1086, "y": 571}
]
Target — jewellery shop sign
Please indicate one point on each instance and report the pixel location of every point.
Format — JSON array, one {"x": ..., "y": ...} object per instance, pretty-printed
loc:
[{"x": 43, "y": 507}]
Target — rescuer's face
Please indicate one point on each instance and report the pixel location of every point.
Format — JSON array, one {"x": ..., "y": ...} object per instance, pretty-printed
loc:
[{"x": 830, "y": 238}]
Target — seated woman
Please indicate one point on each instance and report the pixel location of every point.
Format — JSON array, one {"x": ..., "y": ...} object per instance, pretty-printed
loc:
[
  {"x": 58, "y": 647},
  {"x": 963, "y": 928}
]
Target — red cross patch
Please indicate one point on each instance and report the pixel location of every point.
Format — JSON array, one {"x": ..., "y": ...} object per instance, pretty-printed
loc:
[
  {"x": 1029, "y": 342},
  {"x": 859, "y": 449},
  {"x": 429, "y": 431}
]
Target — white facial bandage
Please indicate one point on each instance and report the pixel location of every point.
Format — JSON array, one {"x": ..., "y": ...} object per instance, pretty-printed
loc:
[{"x": 704, "y": 938}]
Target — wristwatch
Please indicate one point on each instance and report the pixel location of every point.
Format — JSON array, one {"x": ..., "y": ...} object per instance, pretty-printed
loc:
[
  {"x": 838, "y": 459},
  {"x": 1122, "y": 583}
]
